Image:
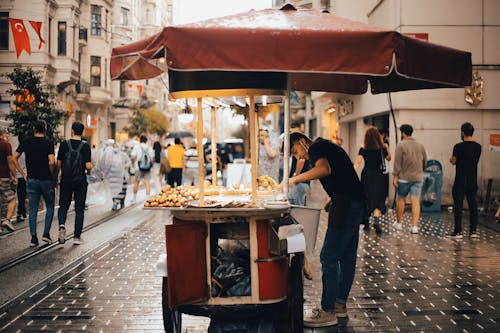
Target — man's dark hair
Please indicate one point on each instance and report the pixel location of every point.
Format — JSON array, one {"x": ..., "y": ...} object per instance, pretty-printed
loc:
[
  {"x": 296, "y": 136},
  {"x": 177, "y": 141},
  {"x": 77, "y": 128},
  {"x": 406, "y": 129},
  {"x": 295, "y": 124},
  {"x": 143, "y": 139},
  {"x": 468, "y": 129},
  {"x": 40, "y": 126}
]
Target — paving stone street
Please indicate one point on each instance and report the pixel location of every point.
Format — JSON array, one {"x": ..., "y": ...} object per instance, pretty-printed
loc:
[{"x": 404, "y": 282}]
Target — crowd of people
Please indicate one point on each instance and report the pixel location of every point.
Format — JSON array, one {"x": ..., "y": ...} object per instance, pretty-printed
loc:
[{"x": 35, "y": 170}]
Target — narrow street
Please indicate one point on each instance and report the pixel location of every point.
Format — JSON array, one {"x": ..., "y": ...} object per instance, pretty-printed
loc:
[{"x": 404, "y": 282}]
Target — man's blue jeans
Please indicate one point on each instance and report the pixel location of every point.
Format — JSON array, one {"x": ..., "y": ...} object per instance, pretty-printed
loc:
[
  {"x": 36, "y": 188},
  {"x": 338, "y": 258}
]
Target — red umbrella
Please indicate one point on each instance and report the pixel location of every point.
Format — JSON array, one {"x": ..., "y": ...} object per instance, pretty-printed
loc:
[{"x": 313, "y": 50}]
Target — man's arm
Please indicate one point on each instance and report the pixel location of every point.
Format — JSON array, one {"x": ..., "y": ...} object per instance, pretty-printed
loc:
[
  {"x": 321, "y": 169},
  {"x": 15, "y": 160},
  {"x": 267, "y": 145},
  {"x": 299, "y": 166},
  {"x": 357, "y": 163},
  {"x": 12, "y": 168},
  {"x": 52, "y": 164}
]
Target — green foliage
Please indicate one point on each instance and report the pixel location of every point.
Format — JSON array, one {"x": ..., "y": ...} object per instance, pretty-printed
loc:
[
  {"x": 43, "y": 107},
  {"x": 145, "y": 121}
]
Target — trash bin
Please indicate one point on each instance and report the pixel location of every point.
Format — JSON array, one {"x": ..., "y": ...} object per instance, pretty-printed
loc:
[{"x": 431, "y": 188}]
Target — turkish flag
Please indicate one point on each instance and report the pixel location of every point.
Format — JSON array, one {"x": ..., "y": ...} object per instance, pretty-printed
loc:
[
  {"x": 139, "y": 89},
  {"x": 21, "y": 38},
  {"x": 37, "y": 26}
]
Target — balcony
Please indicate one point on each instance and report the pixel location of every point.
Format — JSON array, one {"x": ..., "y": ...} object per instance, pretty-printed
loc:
[{"x": 82, "y": 90}]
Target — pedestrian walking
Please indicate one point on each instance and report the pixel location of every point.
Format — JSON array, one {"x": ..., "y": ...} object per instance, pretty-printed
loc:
[
  {"x": 21, "y": 190},
  {"x": 111, "y": 167},
  {"x": 332, "y": 166},
  {"x": 374, "y": 153},
  {"x": 40, "y": 178},
  {"x": 465, "y": 157},
  {"x": 175, "y": 154},
  {"x": 74, "y": 162},
  {"x": 142, "y": 157},
  {"x": 8, "y": 182},
  {"x": 409, "y": 164}
]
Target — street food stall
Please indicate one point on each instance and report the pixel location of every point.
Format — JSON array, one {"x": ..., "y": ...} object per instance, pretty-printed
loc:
[{"x": 266, "y": 52}]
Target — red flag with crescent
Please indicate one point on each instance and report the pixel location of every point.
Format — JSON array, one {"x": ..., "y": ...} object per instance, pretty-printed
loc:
[
  {"x": 21, "y": 38},
  {"x": 37, "y": 26}
]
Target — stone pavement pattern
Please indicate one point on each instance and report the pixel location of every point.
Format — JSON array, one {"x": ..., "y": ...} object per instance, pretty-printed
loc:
[{"x": 404, "y": 282}]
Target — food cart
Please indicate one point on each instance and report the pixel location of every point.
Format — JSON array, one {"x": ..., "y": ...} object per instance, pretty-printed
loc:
[
  {"x": 259, "y": 222},
  {"x": 268, "y": 52}
]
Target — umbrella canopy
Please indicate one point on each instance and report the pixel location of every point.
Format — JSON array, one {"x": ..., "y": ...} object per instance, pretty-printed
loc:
[{"x": 311, "y": 50}]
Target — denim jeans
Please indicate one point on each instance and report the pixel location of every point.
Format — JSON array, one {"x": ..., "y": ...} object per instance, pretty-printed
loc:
[
  {"x": 297, "y": 194},
  {"x": 35, "y": 189},
  {"x": 67, "y": 191},
  {"x": 338, "y": 257}
]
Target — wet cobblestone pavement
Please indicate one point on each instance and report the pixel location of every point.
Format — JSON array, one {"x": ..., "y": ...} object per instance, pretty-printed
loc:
[{"x": 404, "y": 282}]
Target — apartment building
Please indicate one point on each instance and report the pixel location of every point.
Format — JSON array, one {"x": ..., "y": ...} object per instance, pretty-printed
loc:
[{"x": 134, "y": 20}]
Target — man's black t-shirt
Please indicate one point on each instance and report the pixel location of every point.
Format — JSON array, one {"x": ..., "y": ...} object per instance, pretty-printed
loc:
[
  {"x": 343, "y": 179},
  {"x": 342, "y": 184},
  {"x": 467, "y": 155},
  {"x": 85, "y": 152},
  {"x": 37, "y": 150}
]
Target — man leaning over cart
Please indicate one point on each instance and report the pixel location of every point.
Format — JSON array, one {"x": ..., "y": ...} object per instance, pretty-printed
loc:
[{"x": 332, "y": 166}]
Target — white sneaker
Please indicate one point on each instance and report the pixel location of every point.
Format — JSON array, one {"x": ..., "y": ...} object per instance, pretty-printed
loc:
[
  {"x": 77, "y": 241},
  {"x": 397, "y": 226},
  {"x": 8, "y": 225},
  {"x": 414, "y": 230}
]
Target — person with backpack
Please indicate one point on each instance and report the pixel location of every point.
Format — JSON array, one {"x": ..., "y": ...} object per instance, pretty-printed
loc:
[
  {"x": 142, "y": 158},
  {"x": 74, "y": 163}
]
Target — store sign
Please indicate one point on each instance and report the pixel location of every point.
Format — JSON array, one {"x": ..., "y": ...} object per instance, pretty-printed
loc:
[
  {"x": 91, "y": 122},
  {"x": 418, "y": 35},
  {"x": 495, "y": 142}
]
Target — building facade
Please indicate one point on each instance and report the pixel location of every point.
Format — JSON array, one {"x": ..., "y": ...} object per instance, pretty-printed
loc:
[{"x": 436, "y": 115}]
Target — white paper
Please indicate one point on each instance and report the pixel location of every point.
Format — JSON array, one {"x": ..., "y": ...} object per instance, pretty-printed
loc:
[
  {"x": 296, "y": 243},
  {"x": 286, "y": 231}
]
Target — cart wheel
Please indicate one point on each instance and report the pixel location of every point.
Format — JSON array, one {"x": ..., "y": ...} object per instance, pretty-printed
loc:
[
  {"x": 295, "y": 296},
  {"x": 172, "y": 318}
]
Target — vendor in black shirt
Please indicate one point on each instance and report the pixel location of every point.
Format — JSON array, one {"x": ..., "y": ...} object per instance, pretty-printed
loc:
[{"x": 332, "y": 166}]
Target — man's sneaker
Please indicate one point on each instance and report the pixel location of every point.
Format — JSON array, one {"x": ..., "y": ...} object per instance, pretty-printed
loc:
[
  {"x": 340, "y": 310},
  {"x": 8, "y": 225},
  {"x": 397, "y": 226},
  {"x": 62, "y": 234},
  {"x": 414, "y": 230},
  {"x": 455, "y": 235},
  {"x": 473, "y": 234},
  {"x": 19, "y": 218},
  {"x": 47, "y": 239},
  {"x": 78, "y": 241},
  {"x": 321, "y": 318},
  {"x": 34, "y": 241}
]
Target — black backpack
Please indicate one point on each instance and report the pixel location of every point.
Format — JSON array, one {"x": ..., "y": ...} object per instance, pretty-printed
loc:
[{"x": 72, "y": 169}]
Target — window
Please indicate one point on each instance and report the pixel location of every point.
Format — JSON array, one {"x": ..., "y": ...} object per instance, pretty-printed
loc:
[
  {"x": 123, "y": 89},
  {"x": 124, "y": 16},
  {"x": 61, "y": 38},
  {"x": 95, "y": 71},
  {"x": 4, "y": 30},
  {"x": 95, "y": 20}
]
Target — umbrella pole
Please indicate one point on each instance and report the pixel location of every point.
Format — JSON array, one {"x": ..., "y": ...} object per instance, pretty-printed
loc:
[
  {"x": 214, "y": 145},
  {"x": 389, "y": 99},
  {"x": 199, "y": 147},
  {"x": 286, "y": 142},
  {"x": 253, "y": 146}
]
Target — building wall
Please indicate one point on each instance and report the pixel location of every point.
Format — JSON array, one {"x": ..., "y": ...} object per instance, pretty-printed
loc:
[{"x": 437, "y": 114}]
